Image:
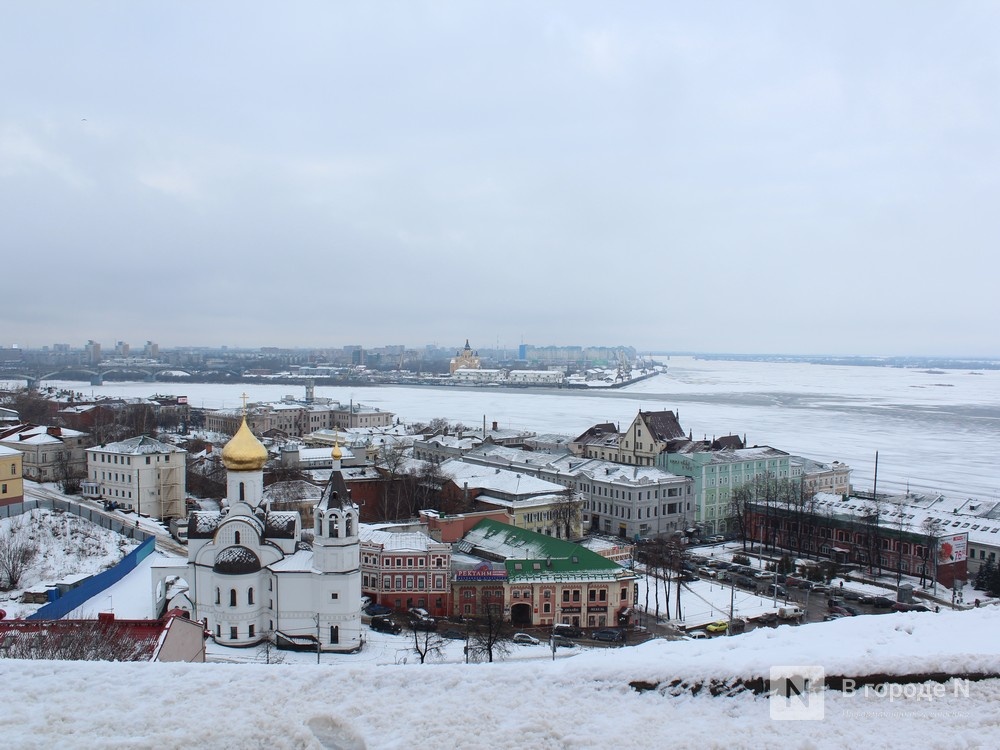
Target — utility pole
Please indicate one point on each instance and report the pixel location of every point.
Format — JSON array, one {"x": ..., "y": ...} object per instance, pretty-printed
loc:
[{"x": 317, "y": 638}]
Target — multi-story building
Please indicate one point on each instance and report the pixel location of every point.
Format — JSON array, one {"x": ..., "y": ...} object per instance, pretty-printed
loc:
[
  {"x": 51, "y": 454},
  {"x": 530, "y": 502},
  {"x": 140, "y": 473},
  {"x": 911, "y": 535},
  {"x": 633, "y": 502},
  {"x": 403, "y": 567},
  {"x": 815, "y": 476},
  {"x": 717, "y": 472},
  {"x": 538, "y": 580},
  {"x": 650, "y": 434},
  {"x": 11, "y": 481},
  {"x": 291, "y": 418}
]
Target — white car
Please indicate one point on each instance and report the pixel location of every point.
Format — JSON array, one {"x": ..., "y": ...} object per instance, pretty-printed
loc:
[
  {"x": 525, "y": 638},
  {"x": 696, "y": 634}
]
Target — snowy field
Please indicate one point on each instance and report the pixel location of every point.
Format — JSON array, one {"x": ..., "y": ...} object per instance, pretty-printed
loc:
[
  {"x": 573, "y": 703},
  {"x": 65, "y": 545},
  {"x": 934, "y": 430}
]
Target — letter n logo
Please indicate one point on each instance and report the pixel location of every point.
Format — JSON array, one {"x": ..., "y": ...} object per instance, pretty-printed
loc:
[{"x": 796, "y": 693}]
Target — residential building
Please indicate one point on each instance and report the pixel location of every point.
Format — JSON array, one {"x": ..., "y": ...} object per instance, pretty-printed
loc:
[
  {"x": 51, "y": 454},
  {"x": 403, "y": 567},
  {"x": 11, "y": 477},
  {"x": 538, "y": 580},
  {"x": 140, "y": 473}
]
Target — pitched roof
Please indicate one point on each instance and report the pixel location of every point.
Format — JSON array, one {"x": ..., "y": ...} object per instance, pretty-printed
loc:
[
  {"x": 531, "y": 556},
  {"x": 663, "y": 425}
]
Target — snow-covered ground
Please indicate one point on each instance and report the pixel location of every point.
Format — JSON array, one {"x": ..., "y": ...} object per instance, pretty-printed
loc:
[
  {"x": 581, "y": 702},
  {"x": 65, "y": 545}
]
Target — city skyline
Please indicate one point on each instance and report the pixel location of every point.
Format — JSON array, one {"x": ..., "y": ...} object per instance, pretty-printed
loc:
[{"x": 778, "y": 178}]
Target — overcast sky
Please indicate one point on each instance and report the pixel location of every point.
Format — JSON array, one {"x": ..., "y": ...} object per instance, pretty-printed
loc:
[{"x": 797, "y": 177}]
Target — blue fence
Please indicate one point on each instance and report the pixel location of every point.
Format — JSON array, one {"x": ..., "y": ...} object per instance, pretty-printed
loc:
[{"x": 95, "y": 585}]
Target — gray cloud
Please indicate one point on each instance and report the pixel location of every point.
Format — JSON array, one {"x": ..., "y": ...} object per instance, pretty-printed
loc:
[{"x": 774, "y": 177}]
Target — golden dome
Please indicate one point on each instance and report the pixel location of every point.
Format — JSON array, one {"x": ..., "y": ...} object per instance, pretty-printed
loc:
[
  {"x": 244, "y": 452},
  {"x": 336, "y": 453}
]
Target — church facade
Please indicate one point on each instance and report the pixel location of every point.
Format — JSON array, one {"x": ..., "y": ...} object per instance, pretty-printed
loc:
[{"x": 251, "y": 576}]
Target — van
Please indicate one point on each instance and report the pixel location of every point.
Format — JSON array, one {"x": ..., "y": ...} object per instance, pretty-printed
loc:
[{"x": 179, "y": 530}]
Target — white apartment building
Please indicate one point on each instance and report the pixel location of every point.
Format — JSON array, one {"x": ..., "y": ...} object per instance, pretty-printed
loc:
[{"x": 140, "y": 473}]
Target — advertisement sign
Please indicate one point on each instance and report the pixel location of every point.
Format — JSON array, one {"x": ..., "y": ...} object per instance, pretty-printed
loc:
[{"x": 953, "y": 548}]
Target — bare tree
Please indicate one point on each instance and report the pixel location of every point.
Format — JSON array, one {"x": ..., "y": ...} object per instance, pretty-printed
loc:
[
  {"x": 489, "y": 633},
  {"x": 740, "y": 501},
  {"x": 267, "y": 652},
  {"x": 91, "y": 640},
  {"x": 426, "y": 641},
  {"x": 932, "y": 529},
  {"x": 566, "y": 514},
  {"x": 17, "y": 552}
]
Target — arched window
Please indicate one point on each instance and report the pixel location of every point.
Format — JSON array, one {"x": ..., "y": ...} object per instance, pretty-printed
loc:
[
  {"x": 334, "y": 634},
  {"x": 243, "y": 491},
  {"x": 250, "y": 595},
  {"x": 347, "y": 525},
  {"x": 232, "y": 597},
  {"x": 237, "y": 537},
  {"x": 334, "y": 526},
  {"x": 218, "y": 596}
]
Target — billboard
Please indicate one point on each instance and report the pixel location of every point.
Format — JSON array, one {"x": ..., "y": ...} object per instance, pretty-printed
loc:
[{"x": 953, "y": 548}]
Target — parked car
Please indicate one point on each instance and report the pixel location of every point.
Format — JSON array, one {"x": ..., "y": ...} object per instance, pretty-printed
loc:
[
  {"x": 377, "y": 609},
  {"x": 719, "y": 626},
  {"x": 838, "y": 610},
  {"x": 882, "y": 602},
  {"x": 562, "y": 642},
  {"x": 608, "y": 634},
  {"x": 566, "y": 630},
  {"x": 833, "y": 616},
  {"x": 419, "y": 622},
  {"x": 852, "y": 595},
  {"x": 525, "y": 639},
  {"x": 777, "y": 589},
  {"x": 764, "y": 574},
  {"x": 418, "y": 612},
  {"x": 853, "y": 611},
  {"x": 455, "y": 635},
  {"x": 696, "y": 634},
  {"x": 385, "y": 624}
]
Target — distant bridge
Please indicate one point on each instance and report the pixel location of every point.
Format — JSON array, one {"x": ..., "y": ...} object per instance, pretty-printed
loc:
[{"x": 149, "y": 374}]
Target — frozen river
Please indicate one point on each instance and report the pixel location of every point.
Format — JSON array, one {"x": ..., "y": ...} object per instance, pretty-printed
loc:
[{"x": 933, "y": 430}]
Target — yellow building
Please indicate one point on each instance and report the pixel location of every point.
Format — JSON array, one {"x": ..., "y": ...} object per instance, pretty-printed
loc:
[
  {"x": 465, "y": 359},
  {"x": 11, "y": 479}
]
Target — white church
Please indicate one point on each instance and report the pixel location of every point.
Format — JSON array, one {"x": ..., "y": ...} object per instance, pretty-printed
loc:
[{"x": 250, "y": 575}]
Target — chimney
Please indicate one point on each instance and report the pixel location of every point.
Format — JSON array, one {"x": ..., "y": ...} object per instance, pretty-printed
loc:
[{"x": 494, "y": 427}]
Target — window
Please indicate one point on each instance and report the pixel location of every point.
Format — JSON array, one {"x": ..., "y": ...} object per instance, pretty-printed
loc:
[
  {"x": 334, "y": 634},
  {"x": 334, "y": 595},
  {"x": 218, "y": 596},
  {"x": 624, "y": 594},
  {"x": 237, "y": 537},
  {"x": 252, "y": 630},
  {"x": 250, "y": 597},
  {"x": 232, "y": 599},
  {"x": 233, "y": 633}
]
